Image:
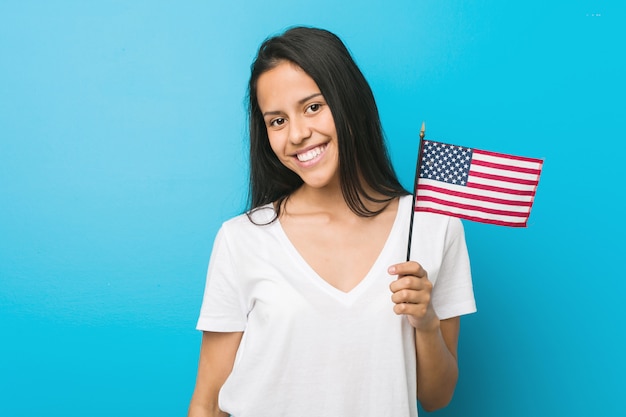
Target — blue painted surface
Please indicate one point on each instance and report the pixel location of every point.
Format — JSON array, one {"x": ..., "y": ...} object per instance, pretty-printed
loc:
[{"x": 122, "y": 149}]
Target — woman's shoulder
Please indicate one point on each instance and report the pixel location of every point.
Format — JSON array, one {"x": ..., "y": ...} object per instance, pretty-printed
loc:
[
  {"x": 438, "y": 227},
  {"x": 249, "y": 232}
]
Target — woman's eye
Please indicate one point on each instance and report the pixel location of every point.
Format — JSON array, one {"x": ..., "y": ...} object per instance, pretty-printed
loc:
[
  {"x": 313, "y": 108},
  {"x": 277, "y": 122}
]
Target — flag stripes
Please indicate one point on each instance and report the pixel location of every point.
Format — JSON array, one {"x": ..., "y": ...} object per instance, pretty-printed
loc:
[{"x": 477, "y": 185}]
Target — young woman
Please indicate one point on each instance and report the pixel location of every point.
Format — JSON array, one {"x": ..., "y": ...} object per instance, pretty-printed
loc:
[{"x": 309, "y": 307}]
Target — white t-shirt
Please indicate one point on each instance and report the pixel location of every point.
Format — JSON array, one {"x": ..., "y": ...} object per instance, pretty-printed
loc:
[{"x": 309, "y": 349}]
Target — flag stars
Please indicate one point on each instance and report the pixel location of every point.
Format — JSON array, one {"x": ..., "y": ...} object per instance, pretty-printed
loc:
[{"x": 448, "y": 163}]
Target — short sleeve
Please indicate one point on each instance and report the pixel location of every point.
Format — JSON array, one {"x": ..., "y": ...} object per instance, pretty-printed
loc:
[
  {"x": 222, "y": 305},
  {"x": 453, "y": 293}
]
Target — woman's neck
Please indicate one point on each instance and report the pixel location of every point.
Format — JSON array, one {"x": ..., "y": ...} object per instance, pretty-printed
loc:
[{"x": 329, "y": 199}]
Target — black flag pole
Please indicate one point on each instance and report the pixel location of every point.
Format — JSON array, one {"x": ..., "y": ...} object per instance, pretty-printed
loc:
[{"x": 417, "y": 174}]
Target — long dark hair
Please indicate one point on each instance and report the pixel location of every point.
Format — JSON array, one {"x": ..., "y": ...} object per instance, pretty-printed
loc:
[{"x": 363, "y": 156}]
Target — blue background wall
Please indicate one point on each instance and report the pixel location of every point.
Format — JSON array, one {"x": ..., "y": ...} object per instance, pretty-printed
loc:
[{"x": 122, "y": 149}]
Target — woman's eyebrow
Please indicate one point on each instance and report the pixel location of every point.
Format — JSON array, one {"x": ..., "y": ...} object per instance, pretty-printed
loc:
[{"x": 304, "y": 100}]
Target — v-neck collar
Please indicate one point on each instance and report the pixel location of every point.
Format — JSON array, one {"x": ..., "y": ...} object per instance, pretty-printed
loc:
[{"x": 348, "y": 297}]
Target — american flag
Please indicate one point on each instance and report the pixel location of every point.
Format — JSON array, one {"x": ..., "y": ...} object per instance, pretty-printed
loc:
[{"x": 476, "y": 185}]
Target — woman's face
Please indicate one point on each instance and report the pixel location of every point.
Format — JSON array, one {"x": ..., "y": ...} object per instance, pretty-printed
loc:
[{"x": 299, "y": 124}]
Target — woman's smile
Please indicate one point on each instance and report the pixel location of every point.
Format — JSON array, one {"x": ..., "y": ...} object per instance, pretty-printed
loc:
[{"x": 312, "y": 155}]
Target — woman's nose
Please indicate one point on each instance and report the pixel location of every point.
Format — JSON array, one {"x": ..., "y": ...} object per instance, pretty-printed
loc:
[{"x": 299, "y": 131}]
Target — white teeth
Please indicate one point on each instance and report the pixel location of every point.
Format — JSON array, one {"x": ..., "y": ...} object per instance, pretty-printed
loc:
[{"x": 310, "y": 154}]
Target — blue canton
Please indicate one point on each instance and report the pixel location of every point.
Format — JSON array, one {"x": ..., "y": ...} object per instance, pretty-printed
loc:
[{"x": 447, "y": 163}]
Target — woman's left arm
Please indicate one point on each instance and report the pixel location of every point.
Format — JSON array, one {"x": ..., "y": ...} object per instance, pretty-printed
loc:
[{"x": 435, "y": 340}]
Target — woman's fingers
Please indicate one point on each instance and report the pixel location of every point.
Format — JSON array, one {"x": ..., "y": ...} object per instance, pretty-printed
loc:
[
  {"x": 411, "y": 292},
  {"x": 408, "y": 268}
]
